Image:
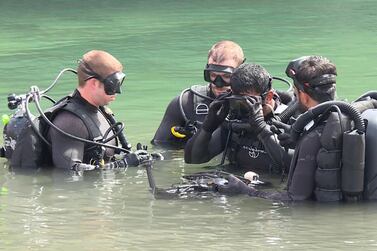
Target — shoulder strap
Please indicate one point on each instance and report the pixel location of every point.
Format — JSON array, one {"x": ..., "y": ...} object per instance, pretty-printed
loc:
[
  {"x": 77, "y": 109},
  {"x": 200, "y": 106}
]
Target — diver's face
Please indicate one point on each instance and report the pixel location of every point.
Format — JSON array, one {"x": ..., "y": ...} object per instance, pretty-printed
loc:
[
  {"x": 100, "y": 95},
  {"x": 225, "y": 76},
  {"x": 302, "y": 107}
]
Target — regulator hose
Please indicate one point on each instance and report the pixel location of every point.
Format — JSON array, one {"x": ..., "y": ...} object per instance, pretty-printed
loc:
[
  {"x": 371, "y": 94},
  {"x": 305, "y": 118},
  {"x": 288, "y": 112},
  {"x": 35, "y": 94}
]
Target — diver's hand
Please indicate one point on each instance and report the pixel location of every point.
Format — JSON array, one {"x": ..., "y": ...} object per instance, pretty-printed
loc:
[
  {"x": 136, "y": 158},
  {"x": 218, "y": 110},
  {"x": 235, "y": 186},
  {"x": 285, "y": 138},
  {"x": 256, "y": 118}
]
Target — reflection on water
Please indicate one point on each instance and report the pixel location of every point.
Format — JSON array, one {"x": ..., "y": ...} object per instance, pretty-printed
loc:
[{"x": 163, "y": 45}]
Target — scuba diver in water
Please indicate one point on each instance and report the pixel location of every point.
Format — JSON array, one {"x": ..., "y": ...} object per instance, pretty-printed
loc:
[
  {"x": 227, "y": 127},
  {"x": 328, "y": 162},
  {"x": 185, "y": 113},
  {"x": 80, "y": 131}
]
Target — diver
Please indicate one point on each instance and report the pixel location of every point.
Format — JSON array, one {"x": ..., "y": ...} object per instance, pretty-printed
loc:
[
  {"x": 93, "y": 136},
  {"x": 186, "y": 112},
  {"x": 327, "y": 164},
  {"x": 242, "y": 133}
]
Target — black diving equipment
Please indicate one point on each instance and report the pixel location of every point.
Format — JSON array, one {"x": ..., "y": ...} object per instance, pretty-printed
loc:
[
  {"x": 38, "y": 125},
  {"x": 369, "y": 114},
  {"x": 201, "y": 100},
  {"x": 210, "y": 71},
  {"x": 294, "y": 66},
  {"x": 112, "y": 82},
  {"x": 201, "y": 185},
  {"x": 340, "y": 142}
]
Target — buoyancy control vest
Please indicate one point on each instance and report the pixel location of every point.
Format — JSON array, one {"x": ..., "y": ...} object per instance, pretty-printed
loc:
[
  {"x": 342, "y": 172},
  {"x": 329, "y": 158},
  {"x": 200, "y": 103},
  {"x": 31, "y": 151},
  {"x": 194, "y": 115}
]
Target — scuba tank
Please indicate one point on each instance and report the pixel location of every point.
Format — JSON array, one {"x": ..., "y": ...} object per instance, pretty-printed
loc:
[
  {"x": 16, "y": 124},
  {"x": 370, "y": 188},
  {"x": 369, "y": 114}
]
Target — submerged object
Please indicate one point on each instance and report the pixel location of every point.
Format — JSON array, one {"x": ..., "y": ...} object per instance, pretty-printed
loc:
[{"x": 200, "y": 185}]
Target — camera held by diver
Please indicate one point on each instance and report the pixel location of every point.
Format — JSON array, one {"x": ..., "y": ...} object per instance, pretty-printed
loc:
[{"x": 239, "y": 108}]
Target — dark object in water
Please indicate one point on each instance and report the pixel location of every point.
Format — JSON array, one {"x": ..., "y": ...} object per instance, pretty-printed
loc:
[{"x": 201, "y": 185}]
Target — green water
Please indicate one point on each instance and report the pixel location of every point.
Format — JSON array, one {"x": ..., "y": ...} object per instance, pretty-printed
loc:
[{"x": 163, "y": 45}]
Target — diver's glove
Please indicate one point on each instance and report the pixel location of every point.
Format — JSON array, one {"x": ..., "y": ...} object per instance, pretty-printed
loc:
[
  {"x": 255, "y": 114},
  {"x": 235, "y": 186},
  {"x": 136, "y": 158},
  {"x": 218, "y": 110},
  {"x": 285, "y": 138}
]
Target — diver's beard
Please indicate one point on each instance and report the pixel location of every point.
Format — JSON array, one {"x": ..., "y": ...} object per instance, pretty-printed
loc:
[{"x": 302, "y": 108}]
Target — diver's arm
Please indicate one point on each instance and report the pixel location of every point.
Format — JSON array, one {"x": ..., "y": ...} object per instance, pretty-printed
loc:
[
  {"x": 172, "y": 117},
  {"x": 301, "y": 181},
  {"x": 203, "y": 146},
  {"x": 66, "y": 152},
  {"x": 277, "y": 153}
]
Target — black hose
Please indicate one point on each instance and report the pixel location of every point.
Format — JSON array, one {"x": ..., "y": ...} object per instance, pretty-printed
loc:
[
  {"x": 121, "y": 136},
  {"x": 35, "y": 96},
  {"x": 371, "y": 94},
  {"x": 48, "y": 98},
  {"x": 285, "y": 81},
  {"x": 288, "y": 112},
  {"x": 303, "y": 119},
  {"x": 117, "y": 128},
  {"x": 181, "y": 104}
]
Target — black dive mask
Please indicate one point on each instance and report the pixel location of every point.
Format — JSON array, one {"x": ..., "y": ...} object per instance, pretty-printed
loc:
[
  {"x": 112, "y": 82},
  {"x": 219, "y": 81},
  {"x": 293, "y": 68}
]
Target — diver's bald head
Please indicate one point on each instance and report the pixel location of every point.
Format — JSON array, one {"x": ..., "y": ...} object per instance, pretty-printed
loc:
[{"x": 100, "y": 62}]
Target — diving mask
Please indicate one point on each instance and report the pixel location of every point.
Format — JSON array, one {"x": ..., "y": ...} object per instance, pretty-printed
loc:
[
  {"x": 293, "y": 68},
  {"x": 219, "y": 81},
  {"x": 112, "y": 82}
]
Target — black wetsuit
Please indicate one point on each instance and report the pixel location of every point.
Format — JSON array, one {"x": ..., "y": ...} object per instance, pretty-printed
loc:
[
  {"x": 66, "y": 152},
  {"x": 301, "y": 179},
  {"x": 260, "y": 153},
  {"x": 195, "y": 109}
]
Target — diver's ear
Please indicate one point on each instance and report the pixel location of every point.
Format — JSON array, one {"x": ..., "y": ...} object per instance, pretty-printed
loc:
[
  {"x": 269, "y": 96},
  {"x": 92, "y": 83}
]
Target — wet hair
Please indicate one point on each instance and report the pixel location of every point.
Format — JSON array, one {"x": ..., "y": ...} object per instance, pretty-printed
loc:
[
  {"x": 250, "y": 77},
  {"x": 226, "y": 49},
  {"x": 313, "y": 67},
  {"x": 100, "y": 62}
]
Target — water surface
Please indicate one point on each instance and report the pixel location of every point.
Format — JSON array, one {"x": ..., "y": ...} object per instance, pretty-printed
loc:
[{"x": 163, "y": 45}]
